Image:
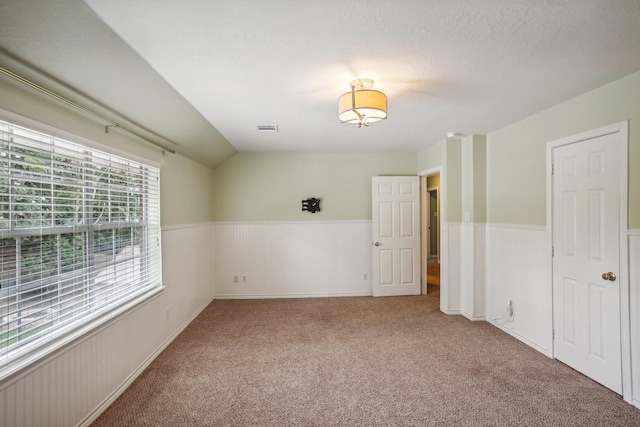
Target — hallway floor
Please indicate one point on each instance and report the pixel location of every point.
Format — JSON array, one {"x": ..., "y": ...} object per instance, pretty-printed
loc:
[{"x": 433, "y": 277}]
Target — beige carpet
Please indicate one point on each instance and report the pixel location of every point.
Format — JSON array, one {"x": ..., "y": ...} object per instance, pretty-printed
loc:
[{"x": 357, "y": 362}]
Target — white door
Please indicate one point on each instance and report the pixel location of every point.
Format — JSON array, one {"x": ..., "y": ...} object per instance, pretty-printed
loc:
[
  {"x": 396, "y": 235},
  {"x": 586, "y": 259}
]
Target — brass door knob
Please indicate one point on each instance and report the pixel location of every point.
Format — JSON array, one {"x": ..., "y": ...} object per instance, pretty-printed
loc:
[
  {"x": 376, "y": 244},
  {"x": 609, "y": 276}
]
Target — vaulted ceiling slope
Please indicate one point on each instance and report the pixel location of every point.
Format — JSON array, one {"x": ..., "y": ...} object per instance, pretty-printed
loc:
[
  {"x": 64, "y": 46},
  {"x": 188, "y": 69}
]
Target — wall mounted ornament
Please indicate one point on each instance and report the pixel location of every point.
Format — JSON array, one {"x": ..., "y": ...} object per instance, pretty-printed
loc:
[{"x": 311, "y": 205}]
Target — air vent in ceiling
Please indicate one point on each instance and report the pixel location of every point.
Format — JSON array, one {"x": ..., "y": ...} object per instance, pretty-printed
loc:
[{"x": 267, "y": 128}]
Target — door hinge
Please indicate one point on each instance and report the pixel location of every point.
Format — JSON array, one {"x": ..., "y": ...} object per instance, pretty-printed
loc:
[
  {"x": 553, "y": 251},
  {"x": 553, "y": 334},
  {"x": 553, "y": 169}
]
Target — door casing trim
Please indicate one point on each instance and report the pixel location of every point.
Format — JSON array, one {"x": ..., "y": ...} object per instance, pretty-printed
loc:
[
  {"x": 625, "y": 323},
  {"x": 444, "y": 237}
]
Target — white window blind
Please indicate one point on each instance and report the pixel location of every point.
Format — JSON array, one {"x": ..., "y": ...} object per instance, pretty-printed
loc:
[{"x": 79, "y": 236}]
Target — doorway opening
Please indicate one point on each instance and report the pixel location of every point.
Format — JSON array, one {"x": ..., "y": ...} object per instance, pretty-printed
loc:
[{"x": 431, "y": 233}]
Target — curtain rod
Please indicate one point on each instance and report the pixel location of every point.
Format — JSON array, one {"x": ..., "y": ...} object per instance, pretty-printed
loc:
[{"x": 109, "y": 123}]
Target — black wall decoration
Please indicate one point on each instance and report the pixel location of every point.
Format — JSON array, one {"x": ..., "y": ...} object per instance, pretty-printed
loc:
[{"x": 311, "y": 205}]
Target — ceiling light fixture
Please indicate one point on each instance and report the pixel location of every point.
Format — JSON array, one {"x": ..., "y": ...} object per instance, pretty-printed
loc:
[{"x": 362, "y": 105}]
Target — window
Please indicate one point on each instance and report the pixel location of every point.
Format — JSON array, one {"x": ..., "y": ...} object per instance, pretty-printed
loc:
[{"x": 79, "y": 236}]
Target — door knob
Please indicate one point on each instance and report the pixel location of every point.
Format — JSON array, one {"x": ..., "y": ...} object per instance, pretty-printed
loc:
[
  {"x": 609, "y": 276},
  {"x": 376, "y": 244}
]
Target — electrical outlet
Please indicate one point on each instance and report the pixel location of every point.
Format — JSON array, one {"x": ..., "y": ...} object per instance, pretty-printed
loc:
[
  {"x": 244, "y": 279},
  {"x": 235, "y": 279},
  {"x": 167, "y": 312},
  {"x": 364, "y": 276}
]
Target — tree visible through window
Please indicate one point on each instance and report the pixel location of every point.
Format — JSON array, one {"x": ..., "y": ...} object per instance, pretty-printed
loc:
[{"x": 79, "y": 235}]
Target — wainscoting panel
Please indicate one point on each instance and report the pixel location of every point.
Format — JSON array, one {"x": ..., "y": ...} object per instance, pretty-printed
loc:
[
  {"x": 75, "y": 384},
  {"x": 467, "y": 270},
  {"x": 518, "y": 268},
  {"x": 472, "y": 258},
  {"x": 480, "y": 272},
  {"x": 299, "y": 259},
  {"x": 634, "y": 290}
]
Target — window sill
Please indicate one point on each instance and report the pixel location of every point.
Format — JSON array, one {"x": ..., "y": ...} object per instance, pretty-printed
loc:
[{"x": 28, "y": 359}]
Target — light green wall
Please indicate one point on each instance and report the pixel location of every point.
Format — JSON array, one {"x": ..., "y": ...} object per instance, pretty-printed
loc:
[
  {"x": 185, "y": 191},
  {"x": 448, "y": 154},
  {"x": 479, "y": 178},
  {"x": 271, "y": 186},
  {"x": 454, "y": 180},
  {"x": 473, "y": 174},
  {"x": 466, "y": 176},
  {"x": 432, "y": 157},
  {"x": 516, "y": 155},
  {"x": 185, "y": 185}
]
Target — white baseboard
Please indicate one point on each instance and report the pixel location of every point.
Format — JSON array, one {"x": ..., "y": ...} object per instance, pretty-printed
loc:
[
  {"x": 546, "y": 352},
  {"x": 301, "y": 295},
  {"x": 473, "y": 318}
]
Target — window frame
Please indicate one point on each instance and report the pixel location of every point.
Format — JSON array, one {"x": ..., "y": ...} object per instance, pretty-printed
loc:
[{"x": 18, "y": 359}]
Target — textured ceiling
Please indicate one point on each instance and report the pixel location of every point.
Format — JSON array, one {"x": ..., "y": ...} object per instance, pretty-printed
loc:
[{"x": 458, "y": 65}]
